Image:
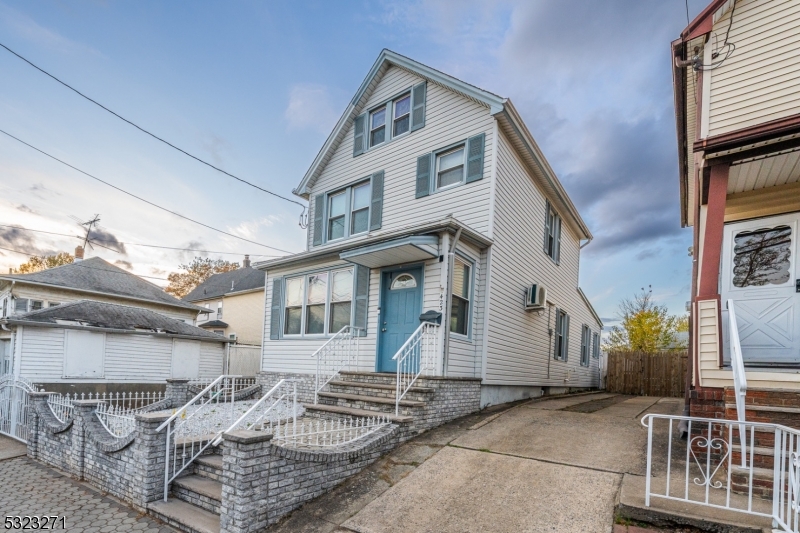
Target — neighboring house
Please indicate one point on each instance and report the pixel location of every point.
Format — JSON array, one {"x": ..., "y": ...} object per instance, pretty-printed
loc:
[
  {"x": 98, "y": 342},
  {"x": 431, "y": 195},
  {"x": 234, "y": 303},
  {"x": 737, "y": 104},
  {"x": 91, "y": 279}
]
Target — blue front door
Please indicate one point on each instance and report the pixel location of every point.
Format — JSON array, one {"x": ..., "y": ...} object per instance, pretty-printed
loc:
[{"x": 401, "y": 305}]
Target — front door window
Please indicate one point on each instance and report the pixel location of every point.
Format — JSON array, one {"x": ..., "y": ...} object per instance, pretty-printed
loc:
[{"x": 762, "y": 257}]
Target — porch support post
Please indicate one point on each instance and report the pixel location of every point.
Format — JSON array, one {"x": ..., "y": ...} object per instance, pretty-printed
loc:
[
  {"x": 712, "y": 238},
  {"x": 444, "y": 249}
]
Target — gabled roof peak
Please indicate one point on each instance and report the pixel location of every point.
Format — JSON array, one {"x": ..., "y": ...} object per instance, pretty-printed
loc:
[{"x": 388, "y": 58}]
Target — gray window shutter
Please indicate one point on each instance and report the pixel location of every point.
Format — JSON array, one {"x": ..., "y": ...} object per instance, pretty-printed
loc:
[
  {"x": 566, "y": 337},
  {"x": 557, "y": 254},
  {"x": 376, "y": 205},
  {"x": 475, "y": 158},
  {"x": 418, "y": 95},
  {"x": 546, "y": 226},
  {"x": 424, "y": 175},
  {"x": 319, "y": 218},
  {"x": 275, "y": 310},
  {"x": 360, "y": 134},
  {"x": 361, "y": 297}
]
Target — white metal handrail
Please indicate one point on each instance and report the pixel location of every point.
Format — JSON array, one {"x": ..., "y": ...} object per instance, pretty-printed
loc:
[
  {"x": 704, "y": 472},
  {"x": 737, "y": 363},
  {"x": 279, "y": 403},
  {"x": 338, "y": 353},
  {"x": 416, "y": 356},
  {"x": 190, "y": 432}
]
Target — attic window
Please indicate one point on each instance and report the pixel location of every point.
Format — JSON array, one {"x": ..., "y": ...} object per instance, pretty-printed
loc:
[
  {"x": 36, "y": 305},
  {"x": 402, "y": 115},
  {"x": 377, "y": 126}
]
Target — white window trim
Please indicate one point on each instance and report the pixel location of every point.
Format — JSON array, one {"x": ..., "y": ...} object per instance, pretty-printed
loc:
[
  {"x": 389, "y": 106},
  {"x": 437, "y": 157},
  {"x": 393, "y": 105},
  {"x": 471, "y": 301},
  {"x": 586, "y": 345},
  {"x": 563, "y": 357},
  {"x": 348, "y": 210},
  {"x": 304, "y": 276},
  {"x": 556, "y": 220},
  {"x": 387, "y": 109}
]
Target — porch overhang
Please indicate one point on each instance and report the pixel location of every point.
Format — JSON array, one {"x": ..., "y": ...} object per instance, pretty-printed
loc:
[{"x": 395, "y": 252}]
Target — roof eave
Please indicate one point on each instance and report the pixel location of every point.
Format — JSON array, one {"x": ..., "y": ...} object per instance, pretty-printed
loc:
[
  {"x": 33, "y": 323},
  {"x": 521, "y": 130},
  {"x": 591, "y": 307},
  {"x": 679, "y": 92}
]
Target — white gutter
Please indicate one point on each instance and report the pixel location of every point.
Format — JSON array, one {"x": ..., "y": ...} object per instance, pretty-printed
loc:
[{"x": 448, "y": 299}]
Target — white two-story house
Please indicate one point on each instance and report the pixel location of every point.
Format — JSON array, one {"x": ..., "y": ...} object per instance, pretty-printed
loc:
[{"x": 430, "y": 202}]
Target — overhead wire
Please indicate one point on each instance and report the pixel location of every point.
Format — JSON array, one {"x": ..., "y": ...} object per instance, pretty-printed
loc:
[
  {"x": 153, "y": 135},
  {"x": 139, "y": 197}
]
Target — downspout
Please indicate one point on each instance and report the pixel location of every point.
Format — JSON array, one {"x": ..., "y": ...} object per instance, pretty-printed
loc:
[{"x": 448, "y": 301}]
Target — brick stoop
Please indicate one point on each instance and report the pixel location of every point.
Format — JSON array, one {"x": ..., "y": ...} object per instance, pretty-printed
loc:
[{"x": 195, "y": 499}]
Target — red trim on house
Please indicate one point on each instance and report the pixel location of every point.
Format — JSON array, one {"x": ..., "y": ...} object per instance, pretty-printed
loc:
[
  {"x": 702, "y": 23},
  {"x": 712, "y": 240},
  {"x": 750, "y": 135}
]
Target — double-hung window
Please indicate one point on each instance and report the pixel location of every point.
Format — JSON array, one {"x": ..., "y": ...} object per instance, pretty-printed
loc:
[
  {"x": 377, "y": 127},
  {"x": 401, "y": 115},
  {"x": 348, "y": 211},
  {"x": 595, "y": 345},
  {"x": 552, "y": 234},
  {"x": 586, "y": 342},
  {"x": 460, "y": 306},
  {"x": 36, "y": 305},
  {"x": 21, "y": 305},
  {"x": 450, "y": 167},
  {"x": 561, "y": 341},
  {"x": 318, "y": 303}
]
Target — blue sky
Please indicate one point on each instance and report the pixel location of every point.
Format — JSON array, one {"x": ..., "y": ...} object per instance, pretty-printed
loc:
[{"x": 256, "y": 87}]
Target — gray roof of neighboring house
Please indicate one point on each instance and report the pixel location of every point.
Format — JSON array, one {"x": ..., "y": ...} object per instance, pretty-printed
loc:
[
  {"x": 241, "y": 279},
  {"x": 213, "y": 324},
  {"x": 89, "y": 313},
  {"x": 95, "y": 274}
]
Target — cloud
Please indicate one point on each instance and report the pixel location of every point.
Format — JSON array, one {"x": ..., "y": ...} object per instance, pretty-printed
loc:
[
  {"x": 158, "y": 271},
  {"x": 27, "y": 28},
  {"x": 127, "y": 265},
  {"x": 310, "y": 108},
  {"x": 16, "y": 240},
  {"x": 216, "y": 147},
  {"x": 25, "y": 209},
  {"x": 249, "y": 228},
  {"x": 40, "y": 191},
  {"x": 107, "y": 239}
]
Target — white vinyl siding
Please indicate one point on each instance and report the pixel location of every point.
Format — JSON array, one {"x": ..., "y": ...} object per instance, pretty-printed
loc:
[
  {"x": 127, "y": 358},
  {"x": 450, "y": 118},
  {"x": 758, "y": 82},
  {"x": 519, "y": 344}
]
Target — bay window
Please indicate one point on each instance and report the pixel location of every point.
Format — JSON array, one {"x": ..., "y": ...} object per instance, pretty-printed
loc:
[{"x": 318, "y": 303}]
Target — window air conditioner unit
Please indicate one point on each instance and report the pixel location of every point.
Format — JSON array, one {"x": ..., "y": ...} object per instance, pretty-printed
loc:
[
  {"x": 535, "y": 297},
  {"x": 233, "y": 337}
]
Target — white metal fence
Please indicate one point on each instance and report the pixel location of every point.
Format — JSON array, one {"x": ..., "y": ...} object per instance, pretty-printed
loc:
[
  {"x": 120, "y": 421},
  {"x": 416, "y": 357},
  {"x": 60, "y": 406},
  {"x": 340, "y": 352},
  {"x": 726, "y": 464},
  {"x": 236, "y": 383},
  {"x": 244, "y": 359},
  {"x": 321, "y": 433},
  {"x": 14, "y": 406}
]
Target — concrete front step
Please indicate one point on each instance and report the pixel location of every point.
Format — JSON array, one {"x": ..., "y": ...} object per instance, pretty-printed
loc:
[
  {"x": 376, "y": 405},
  {"x": 364, "y": 398},
  {"x": 383, "y": 378},
  {"x": 199, "y": 491},
  {"x": 209, "y": 466},
  {"x": 184, "y": 516},
  {"x": 349, "y": 411},
  {"x": 379, "y": 389}
]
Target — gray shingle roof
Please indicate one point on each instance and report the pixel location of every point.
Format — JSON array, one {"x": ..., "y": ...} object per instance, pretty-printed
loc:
[
  {"x": 95, "y": 274},
  {"x": 213, "y": 324},
  {"x": 113, "y": 316},
  {"x": 241, "y": 279}
]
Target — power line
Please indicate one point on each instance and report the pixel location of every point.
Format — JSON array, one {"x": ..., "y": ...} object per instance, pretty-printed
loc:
[
  {"x": 139, "y": 197},
  {"x": 16, "y": 251},
  {"x": 97, "y": 241},
  {"x": 152, "y": 134}
]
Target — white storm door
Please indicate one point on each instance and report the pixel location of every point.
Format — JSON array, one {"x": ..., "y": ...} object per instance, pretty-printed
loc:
[
  {"x": 185, "y": 359},
  {"x": 760, "y": 273}
]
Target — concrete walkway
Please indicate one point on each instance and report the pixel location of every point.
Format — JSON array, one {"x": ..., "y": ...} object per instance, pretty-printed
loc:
[{"x": 540, "y": 466}]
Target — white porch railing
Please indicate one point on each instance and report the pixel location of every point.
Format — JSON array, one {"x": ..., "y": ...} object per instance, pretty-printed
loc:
[
  {"x": 280, "y": 403},
  {"x": 737, "y": 363},
  {"x": 416, "y": 357},
  {"x": 338, "y": 353},
  {"x": 702, "y": 470},
  {"x": 193, "y": 427}
]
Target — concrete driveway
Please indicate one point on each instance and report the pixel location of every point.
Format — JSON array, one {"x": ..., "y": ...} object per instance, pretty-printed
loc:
[{"x": 542, "y": 466}]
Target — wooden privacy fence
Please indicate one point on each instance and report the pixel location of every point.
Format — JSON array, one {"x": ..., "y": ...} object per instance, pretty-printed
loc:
[{"x": 647, "y": 374}]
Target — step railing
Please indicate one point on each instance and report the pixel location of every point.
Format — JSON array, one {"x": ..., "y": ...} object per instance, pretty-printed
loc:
[
  {"x": 701, "y": 470},
  {"x": 338, "y": 353},
  {"x": 279, "y": 403},
  {"x": 737, "y": 365},
  {"x": 327, "y": 434},
  {"x": 417, "y": 356},
  {"x": 194, "y": 426}
]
